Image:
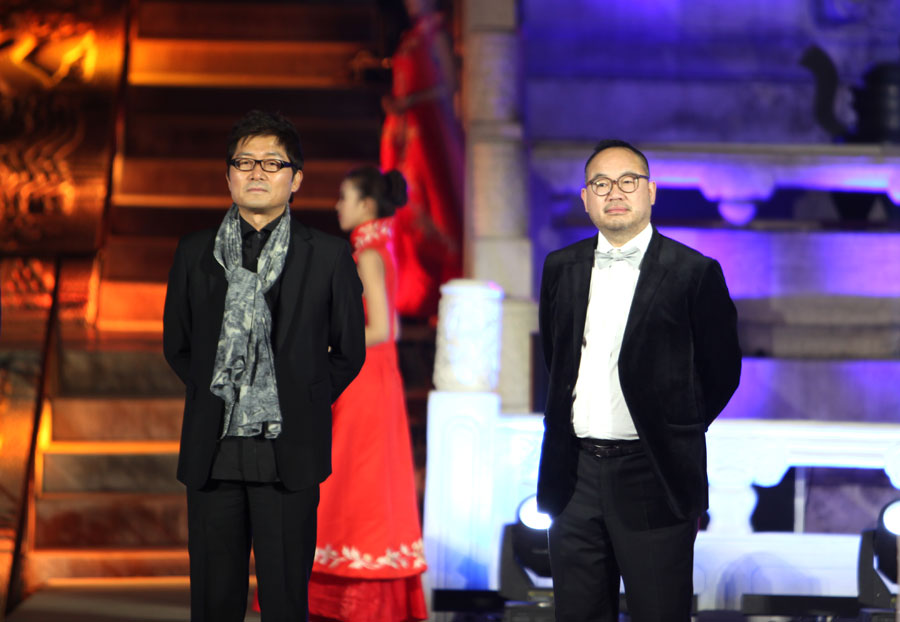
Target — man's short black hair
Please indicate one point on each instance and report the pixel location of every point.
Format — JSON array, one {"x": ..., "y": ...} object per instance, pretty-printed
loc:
[
  {"x": 609, "y": 143},
  {"x": 261, "y": 123}
]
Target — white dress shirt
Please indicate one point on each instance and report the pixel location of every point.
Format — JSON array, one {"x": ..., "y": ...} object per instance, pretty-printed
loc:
[{"x": 599, "y": 409}]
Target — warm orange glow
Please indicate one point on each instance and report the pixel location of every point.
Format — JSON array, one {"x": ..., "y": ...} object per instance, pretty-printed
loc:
[
  {"x": 93, "y": 293},
  {"x": 123, "y": 582},
  {"x": 130, "y": 306},
  {"x": 45, "y": 50},
  {"x": 45, "y": 433},
  {"x": 44, "y": 439},
  {"x": 50, "y": 195},
  {"x": 114, "y": 447},
  {"x": 180, "y": 62}
]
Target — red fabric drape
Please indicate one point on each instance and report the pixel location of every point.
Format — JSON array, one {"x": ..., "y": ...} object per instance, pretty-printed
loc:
[{"x": 424, "y": 142}]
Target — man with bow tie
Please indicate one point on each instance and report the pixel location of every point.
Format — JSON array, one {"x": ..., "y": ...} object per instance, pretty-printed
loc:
[{"x": 640, "y": 338}]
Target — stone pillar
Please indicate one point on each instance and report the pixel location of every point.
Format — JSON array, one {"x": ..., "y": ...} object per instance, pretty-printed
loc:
[
  {"x": 519, "y": 322},
  {"x": 467, "y": 356},
  {"x": 497, "y": 246},
  {"x": 458, "y": 491}
]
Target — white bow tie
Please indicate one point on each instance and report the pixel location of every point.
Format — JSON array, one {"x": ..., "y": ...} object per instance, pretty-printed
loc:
[{"x": 633, "y": 256}]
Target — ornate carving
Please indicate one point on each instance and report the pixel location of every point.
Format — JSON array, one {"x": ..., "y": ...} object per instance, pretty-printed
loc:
[
  {"x": 26, "y": 284},
  {"x": 54, "y": 157}
]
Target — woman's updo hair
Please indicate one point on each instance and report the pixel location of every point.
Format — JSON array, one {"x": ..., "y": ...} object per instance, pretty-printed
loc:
[{"x": 388, "y": 189}]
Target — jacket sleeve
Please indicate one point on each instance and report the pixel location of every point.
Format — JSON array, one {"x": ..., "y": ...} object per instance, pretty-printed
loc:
[
  {"x": 177, "y": 317},
  {"x": 347, "y": 336},
  {"x": 717, "y": 353}
]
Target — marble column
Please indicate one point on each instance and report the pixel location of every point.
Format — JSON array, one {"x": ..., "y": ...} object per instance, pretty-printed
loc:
[
  {"x": 460, "y": 409},
  {"x": 497, "y": 246}
]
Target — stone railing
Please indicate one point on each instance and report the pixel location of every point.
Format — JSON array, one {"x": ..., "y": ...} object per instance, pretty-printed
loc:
[
  {"x": 482, "y": 464},
  {"x": 746, "y": 452}
]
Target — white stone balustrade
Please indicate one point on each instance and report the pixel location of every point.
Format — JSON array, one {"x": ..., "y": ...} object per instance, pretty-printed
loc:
[
  {"x": 482, "y": 464},
  {"x": 746, "y": 452}
]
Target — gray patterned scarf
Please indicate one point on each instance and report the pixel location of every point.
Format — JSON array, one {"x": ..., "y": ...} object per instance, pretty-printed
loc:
[{"x": 244, "y": 372}]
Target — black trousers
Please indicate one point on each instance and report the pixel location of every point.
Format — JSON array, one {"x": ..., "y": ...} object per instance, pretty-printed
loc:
[
  {"x": 618, "y": 524},
  {"x": 224, "y": 519}
]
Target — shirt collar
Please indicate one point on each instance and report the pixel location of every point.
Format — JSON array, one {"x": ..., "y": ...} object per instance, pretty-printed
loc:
[
  {"x": 641, "y": 241},
  {"x": 247, "y": 228}
]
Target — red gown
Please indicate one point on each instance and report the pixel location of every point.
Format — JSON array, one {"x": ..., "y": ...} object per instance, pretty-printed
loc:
[
  {"x": 369, "y": 555},
  {"x": 424, "y": 142}
]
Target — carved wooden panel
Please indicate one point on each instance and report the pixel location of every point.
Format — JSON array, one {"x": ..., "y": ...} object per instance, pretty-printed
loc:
[{"x": 60, "y": 70}]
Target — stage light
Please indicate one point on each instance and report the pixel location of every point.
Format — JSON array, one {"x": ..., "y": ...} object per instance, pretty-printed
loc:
[
  {"x": 885, "y": 540},
  {"x": 530, "y": 516},
  {"x": 524, "y": 554},
  {"x": 878, "y": 548},
  {"x": 890, "y": 517}
]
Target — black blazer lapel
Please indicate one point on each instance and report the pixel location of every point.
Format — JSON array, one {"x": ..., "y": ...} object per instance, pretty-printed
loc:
[
  {"x": 217, "y": 284},
  {"x": 652, "y": 274},
  {"x": 293, "y": 277},
  {"x": 580, "y": 279}
]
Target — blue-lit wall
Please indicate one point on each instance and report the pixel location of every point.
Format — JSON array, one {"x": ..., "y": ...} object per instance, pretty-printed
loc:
[
  {"x": 693, "y": 70},
  {"x": 658, "y": 72}
]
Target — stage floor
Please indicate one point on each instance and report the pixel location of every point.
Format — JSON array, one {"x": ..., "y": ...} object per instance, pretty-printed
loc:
[{"x": 112, "y": 600}]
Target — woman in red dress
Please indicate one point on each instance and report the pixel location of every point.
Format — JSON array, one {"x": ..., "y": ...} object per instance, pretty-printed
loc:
[
  {"x": 369, "y": 559},
  {"x": 422, "y": 139}
]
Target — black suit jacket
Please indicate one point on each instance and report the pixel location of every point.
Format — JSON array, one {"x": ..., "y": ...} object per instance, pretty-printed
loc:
[
  {"x": 319, "y": 307},
  {"x": 679, "y": 365}
]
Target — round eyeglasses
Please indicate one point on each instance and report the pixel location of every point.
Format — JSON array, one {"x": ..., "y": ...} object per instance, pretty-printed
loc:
[
  {"x": 269, "y": 165},
  {"x": 627, "y": 183}
]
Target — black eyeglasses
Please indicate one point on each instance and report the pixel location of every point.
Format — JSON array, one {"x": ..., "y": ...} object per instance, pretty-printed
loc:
[
  {"x": 627, "y": 183},
  {"x": 270, "y": 165}
]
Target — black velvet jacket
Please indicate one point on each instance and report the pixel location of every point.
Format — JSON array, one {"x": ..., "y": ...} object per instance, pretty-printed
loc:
[{"x": 679, "y": 365}]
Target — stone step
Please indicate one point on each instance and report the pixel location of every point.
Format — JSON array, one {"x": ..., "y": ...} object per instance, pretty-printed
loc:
[
  {"x": 835, "y": 327},
  {"x": 177, "y": 183},
  {"x": 360, "y": 102},
  {"x": 824, "y": 390},
  {"x": 820, "y": 342},
  {"x": 124, "y": 467},
  {"x": 821, "y": 310},
  {"x": 334, "y": 124},
  {"x": 86, "y": 338},
  {"x": 115, "y": 371},
  {"x": 143, "y": 240},
  {"x": 254, "y": 64},
  {"x": 116, "y": 419},
  {"x": 271, "y": 21},
  {"x": 138, "y": 259},
  {"x": 44, "y": 565},
  {"x": 131, "y": 305},
  {"x": 166, "y": 135},
  {"x": 415, "y": 355},
  {"x": 141, "y": 263},
  {"x": 110, "y": 520}
]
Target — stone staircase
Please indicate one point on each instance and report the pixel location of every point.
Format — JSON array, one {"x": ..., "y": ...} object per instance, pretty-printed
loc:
[
  {"x": 106, "y": 502},
  {"x": 195, "y": 67}
]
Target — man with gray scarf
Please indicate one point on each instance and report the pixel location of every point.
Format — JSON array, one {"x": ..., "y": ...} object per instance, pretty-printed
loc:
[{"x": 264, "y": 324}]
